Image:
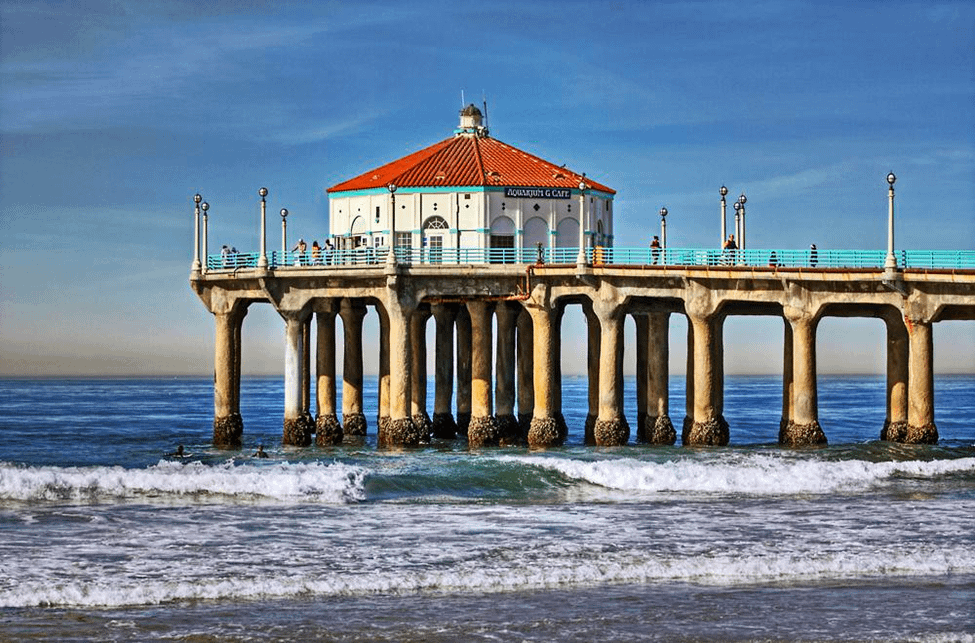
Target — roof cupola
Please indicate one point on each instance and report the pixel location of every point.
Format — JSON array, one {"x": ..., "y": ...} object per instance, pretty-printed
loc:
[{"x": 471, "y": 122}]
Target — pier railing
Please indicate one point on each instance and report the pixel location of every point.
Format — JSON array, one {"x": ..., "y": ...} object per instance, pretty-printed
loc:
[{"x": 775, "y": 258}]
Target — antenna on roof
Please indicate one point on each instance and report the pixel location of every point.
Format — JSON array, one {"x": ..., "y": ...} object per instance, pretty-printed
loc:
[{"x": 484, "y": 100}]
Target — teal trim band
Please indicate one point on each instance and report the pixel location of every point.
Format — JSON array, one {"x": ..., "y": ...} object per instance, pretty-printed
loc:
[{"x": 453, "y": 230}]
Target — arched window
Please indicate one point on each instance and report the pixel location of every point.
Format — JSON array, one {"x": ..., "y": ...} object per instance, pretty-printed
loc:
[{"x": 436, "y": 223}]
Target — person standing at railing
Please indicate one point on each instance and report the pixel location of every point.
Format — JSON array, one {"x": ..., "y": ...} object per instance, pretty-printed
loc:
[
  {"x": 316, "y": 253},
  {"x": 729, "y": 248},
  {"x": 655, "y": 249},
  {"x": 328, "y": 252},
  {"x": 225, "y": 256},
  {"x": 813, "y": 255},
  {"x": 299, "y": 251}
]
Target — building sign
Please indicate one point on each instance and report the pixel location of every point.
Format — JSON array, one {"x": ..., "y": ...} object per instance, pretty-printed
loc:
[{"x": 537, "y": 193}]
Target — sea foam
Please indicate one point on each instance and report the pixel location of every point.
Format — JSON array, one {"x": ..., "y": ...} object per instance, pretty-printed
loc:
[
  {"x": 320, "y": 482},
  {"x": 753, "y": 474}
]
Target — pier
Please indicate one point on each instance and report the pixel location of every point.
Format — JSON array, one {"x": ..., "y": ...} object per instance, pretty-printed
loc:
[
  {"x": 484, "y": 238},
  {"x": 509, "y": 391}
]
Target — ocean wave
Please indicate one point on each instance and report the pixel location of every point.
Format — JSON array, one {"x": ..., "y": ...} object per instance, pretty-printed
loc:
[
  {"x": 320, "y": 482},
  {"x": 753, "y": 474},
  {"x": 578, "y": 569}
]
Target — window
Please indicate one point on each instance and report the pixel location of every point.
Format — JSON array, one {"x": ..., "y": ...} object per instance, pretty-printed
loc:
[
  {"x": 404, "y": 239},
  {"x": 467, "y": 196},
  {"x": 377, "y": 214}
]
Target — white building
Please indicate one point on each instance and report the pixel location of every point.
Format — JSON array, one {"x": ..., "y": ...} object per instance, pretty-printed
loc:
[{"x": 470, "y": 191}]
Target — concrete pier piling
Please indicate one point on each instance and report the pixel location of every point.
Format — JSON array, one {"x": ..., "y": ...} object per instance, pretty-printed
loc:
[
  {"x": 803, "y": 428},
  {"x": 328, "y": 429},
  {"x": 353, "y": 418},
  {"x": 418, "y": 373},
  {"x": 658, "y": 428},
  {"x": 228, "y": 426},
  {"x": 444, "y": 426},
  {"x": 920, "y": 412},
  {"x": 483, "y": 429}
]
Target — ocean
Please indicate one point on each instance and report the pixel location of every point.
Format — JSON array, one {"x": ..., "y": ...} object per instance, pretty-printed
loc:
[{"x": 103, "y": 537}]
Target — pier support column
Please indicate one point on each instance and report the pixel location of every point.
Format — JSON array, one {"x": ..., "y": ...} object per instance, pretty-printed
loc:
[
  {"x": 920, "y": 411},
  {"x": 898, "y": 375},
  {"x": 593, "y": 334},
  {"x": 504, "y": 391},
  {"x": 787, "y": 381},
  {"x": 353, "y": 419},
  {"x": 688, "y": 423},
  {"x": 803, "y": 428},
  {"x": 611, "y": 427},
  {"x": 642, "y": 374},
  {"x": 464, "y": 351},
  {"x": 297, "y": 430},
  {"x": 444, "y": 426},
  {"x": 228, "y": 426},
  {"x": 328, "y": 430},
  {"x": 418, "y": 381},
  {"x": 306, "y": 415},
  {"x": 709, "y": 428},
  {"x": 483, "y": 430},
  {"x": 543, "y": 430},
  {"x": 526, "y": 368},
  {"x": 382, "y": 415},
  {"x": 400, "y": 430},
  {"x": 658, "y": 428},
  {"x": 560, "y": 424}
]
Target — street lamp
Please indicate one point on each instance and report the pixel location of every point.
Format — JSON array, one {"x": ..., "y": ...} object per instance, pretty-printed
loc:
[
  {"x": 724, "y": 217},
  {"x": 663, "y": 232},
  {"x": 262, "y": 260},
  {"x": 738, "y": 224},
  {"x": 581, "y": 259},
  {"x": 741, "y": 233},
  {"x": 391, "y": 254},
  {"x": 284, "y": 237},
  {"x": 196, "y": 233},
  {"x": 204, "y": 207},
  {"x": 891, "y": 262}
]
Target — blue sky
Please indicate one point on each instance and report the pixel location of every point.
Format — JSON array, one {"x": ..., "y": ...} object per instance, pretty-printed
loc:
[{"x": 113, "y": 114}]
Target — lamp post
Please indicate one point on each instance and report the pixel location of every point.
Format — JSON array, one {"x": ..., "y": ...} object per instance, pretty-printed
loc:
[
  {"x": 262, "y": 260},
  {"x": 663, "y": 233},
  {"x": 891, "y": 262},
  {"x": 204, "y": 207},
  {"x": 724, "y": 216},
  {"x": 196, "y": 233},
  {"x": 737, "y": 223},
  {"x": 284, "y": 236},
  {"x": 581, "y": 259},
  {"x": 391, "y": 255},
  {"x": 741, "y": 233}
]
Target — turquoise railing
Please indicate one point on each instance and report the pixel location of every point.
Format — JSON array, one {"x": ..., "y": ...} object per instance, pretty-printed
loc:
[{"x": 780, "y": 258}]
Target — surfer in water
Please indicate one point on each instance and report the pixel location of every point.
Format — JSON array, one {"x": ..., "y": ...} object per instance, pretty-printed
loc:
[
  {"x": 260, "y": 452},
  {"x": 178, "y": 453}
]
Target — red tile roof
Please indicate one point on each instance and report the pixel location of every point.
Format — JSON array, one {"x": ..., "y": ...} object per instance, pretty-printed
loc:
[{"x": 465, "y": 160}]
